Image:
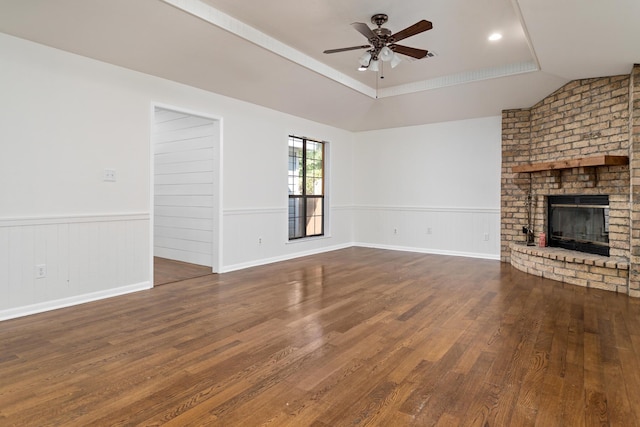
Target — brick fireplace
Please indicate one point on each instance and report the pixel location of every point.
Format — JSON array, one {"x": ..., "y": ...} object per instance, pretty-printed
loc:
[{"x": 564, "y": 145}]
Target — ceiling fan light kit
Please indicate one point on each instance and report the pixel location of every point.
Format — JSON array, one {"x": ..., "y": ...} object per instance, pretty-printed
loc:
[
  {"x": 365, "y": 59},
  {"x": 382, "y": 43},
  {"x": 386, "y": 54},
  {"x": 395, "y": 61}
]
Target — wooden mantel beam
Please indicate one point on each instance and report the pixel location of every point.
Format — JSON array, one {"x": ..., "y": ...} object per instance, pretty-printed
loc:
[{"x": 602, "y": 160}]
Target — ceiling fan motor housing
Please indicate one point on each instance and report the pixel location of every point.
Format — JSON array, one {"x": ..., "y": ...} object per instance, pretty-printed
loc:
[{"x": 382, "y": 33}]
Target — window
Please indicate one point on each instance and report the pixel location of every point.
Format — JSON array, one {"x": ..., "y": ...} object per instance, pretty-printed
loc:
[{"x": 306, "y": 188}]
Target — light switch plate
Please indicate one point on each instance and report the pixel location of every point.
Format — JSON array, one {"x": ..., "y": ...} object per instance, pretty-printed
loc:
[
  {"x": 109, "y": 175},
  {"x": 41, "y": 271}
]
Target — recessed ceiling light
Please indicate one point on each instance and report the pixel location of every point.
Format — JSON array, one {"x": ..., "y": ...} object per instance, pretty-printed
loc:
[{"x": 495, "y": 37}]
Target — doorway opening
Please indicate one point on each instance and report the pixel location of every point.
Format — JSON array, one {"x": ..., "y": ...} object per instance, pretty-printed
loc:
[
  {"x": 186, "y": 194},
  {"x": 167, "y": 271}
]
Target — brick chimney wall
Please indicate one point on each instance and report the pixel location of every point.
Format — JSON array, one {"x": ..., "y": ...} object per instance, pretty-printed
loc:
[{"x": 634, "y": 164}]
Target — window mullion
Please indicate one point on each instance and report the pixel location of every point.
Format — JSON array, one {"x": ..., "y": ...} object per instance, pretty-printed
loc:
[{"x": 304, "y": 185}]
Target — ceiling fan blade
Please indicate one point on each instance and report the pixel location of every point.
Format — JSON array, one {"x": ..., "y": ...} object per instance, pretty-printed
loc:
[
  {"x": 417, "y": 28},
  {"x": 364, "y": 30},
  {"x": 344, "y": 49},
  {"x": 409, "y": 51}
]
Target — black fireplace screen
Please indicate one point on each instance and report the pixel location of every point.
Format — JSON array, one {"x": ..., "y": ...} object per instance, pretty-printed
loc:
[{"x": 579, "y": 223}]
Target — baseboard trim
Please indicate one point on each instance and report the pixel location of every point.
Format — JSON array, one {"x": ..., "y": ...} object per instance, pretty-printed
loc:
[
  {"x": 27, "y": 310},
  {"x": 265, "y": 261},
  {"x": 429, "y": 251}
]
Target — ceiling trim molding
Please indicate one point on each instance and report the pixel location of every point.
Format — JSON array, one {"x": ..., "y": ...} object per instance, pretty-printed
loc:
[
  {"x": 226, "y": 22},
  {"x": 213, "y": 16},
  {"x": 516, "y": 7},
  {"x": 460, "y": 78}
]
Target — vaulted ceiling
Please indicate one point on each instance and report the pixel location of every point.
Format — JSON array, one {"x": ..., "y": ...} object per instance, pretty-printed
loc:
[{"x": 270, "y": 53}]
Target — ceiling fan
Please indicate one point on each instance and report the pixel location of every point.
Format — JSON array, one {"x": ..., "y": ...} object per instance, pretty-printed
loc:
[{"x": 382, "y": 43}]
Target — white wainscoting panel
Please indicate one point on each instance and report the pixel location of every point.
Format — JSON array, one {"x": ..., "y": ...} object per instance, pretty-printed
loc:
[
  {"x": 86, "y": 258},
  {"x": 184, "y": 185},
  {"x": 472, "y": 232},
  {"x": 258, "y": 236}
]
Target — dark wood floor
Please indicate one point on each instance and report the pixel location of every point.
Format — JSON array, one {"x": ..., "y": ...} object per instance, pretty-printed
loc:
[
  {"x": 353, "y": 337},
  {"x": 169, "y": 271}
]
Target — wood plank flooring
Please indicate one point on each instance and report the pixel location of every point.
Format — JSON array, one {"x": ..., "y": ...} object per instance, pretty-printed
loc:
[
  {"x": 169, "y": 271},
  {"x": 352, "y": 337}
]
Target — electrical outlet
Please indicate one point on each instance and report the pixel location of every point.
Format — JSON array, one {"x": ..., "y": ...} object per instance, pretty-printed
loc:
[
  {"x": 41, "y": 271},
  {"x": 428, "y": 230},
  {"x": 109, "y": 175},
  {"x": 395, "y": 231},
  {"x": 486, "y": 237},
  {"x": 259, "y": 240}
]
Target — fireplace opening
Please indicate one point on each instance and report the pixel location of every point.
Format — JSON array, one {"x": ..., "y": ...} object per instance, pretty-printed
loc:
[{"x": 579, "y": 223}]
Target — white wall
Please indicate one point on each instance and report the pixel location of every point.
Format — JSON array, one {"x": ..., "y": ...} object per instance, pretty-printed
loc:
[
  {"x": 431, "y": 188},
  {"x": 65, "y": 118}
]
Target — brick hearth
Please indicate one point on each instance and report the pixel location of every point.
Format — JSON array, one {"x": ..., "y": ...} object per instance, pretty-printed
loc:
[
  {"x": 576, "y": 268},
  {"x": 584, "y": 118}
]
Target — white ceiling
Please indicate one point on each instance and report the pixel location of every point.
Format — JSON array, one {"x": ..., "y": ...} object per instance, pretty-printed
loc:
[{"x": 270, "y": 53}]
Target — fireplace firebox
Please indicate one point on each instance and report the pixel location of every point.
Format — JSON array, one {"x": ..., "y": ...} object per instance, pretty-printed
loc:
[{"x": 579, "y": 223}]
